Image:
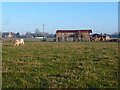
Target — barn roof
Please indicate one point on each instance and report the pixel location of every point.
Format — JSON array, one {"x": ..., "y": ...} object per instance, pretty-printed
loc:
[{"x": 73, "y": 31}]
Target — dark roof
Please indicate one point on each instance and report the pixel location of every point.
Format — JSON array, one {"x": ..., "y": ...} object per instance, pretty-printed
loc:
[{"x": 72, "y": 31}]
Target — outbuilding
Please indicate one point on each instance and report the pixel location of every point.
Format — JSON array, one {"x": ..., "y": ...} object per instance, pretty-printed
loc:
[{"x": 73, "y": 35}]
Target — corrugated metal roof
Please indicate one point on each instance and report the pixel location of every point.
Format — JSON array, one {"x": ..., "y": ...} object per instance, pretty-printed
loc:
[{"x": 72, "y": 31}]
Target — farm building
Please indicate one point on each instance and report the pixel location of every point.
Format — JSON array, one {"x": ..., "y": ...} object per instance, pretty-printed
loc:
[{"x": 73, "y": 35}]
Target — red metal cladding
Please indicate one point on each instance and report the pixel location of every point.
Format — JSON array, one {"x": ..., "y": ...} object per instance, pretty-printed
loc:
[{"x": 73, "y": 31}]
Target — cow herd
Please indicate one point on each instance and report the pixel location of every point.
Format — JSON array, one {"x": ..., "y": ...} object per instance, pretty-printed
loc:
[
  {"x": 99, "y": 37},
  {"x": 95, "y": 37}
]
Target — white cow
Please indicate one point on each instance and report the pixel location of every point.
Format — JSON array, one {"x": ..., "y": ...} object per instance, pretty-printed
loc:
[
  {"x": 107, "y": 38},
  {"x": 18, "y": 42}
]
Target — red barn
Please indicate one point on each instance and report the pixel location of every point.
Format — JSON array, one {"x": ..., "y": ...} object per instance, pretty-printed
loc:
[{"x": 73, "y": 35}]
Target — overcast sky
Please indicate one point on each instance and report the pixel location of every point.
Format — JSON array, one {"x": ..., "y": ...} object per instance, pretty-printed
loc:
[{"x": 101, "y": 17}]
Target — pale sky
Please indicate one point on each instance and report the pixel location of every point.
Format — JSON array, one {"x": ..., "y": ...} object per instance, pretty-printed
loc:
[{"x": 100, "y": 17}]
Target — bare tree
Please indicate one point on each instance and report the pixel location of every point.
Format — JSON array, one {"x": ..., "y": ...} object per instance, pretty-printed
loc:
[{"x": 37, "y": 31}]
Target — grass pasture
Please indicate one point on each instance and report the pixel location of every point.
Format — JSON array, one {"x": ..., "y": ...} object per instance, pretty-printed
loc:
[{"x": 60, "y": 65}]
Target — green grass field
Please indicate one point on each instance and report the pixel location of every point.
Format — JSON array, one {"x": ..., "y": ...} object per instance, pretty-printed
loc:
[{"x": 60, "y": 65}]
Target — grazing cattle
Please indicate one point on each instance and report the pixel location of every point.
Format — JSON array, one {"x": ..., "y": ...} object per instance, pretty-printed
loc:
[
  {"x": 103, "y": 38},
  {"x": 107, "y": 38},
  {"x": 100, "y": 37},
  {"x": 18, "y": 42},
  {"x": 97, "y": 39}
]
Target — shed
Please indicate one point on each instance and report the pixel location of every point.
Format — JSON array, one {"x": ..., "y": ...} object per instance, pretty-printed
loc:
[{"x": 73, "y": 35}]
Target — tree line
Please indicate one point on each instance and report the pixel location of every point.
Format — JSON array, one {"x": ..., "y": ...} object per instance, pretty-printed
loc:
[{"x": 36, "y": 33}]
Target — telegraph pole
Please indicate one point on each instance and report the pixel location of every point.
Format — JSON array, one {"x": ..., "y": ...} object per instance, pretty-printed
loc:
[
  {"x": 43, "y": 31},
  {"x": 43, "y": 27}
]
